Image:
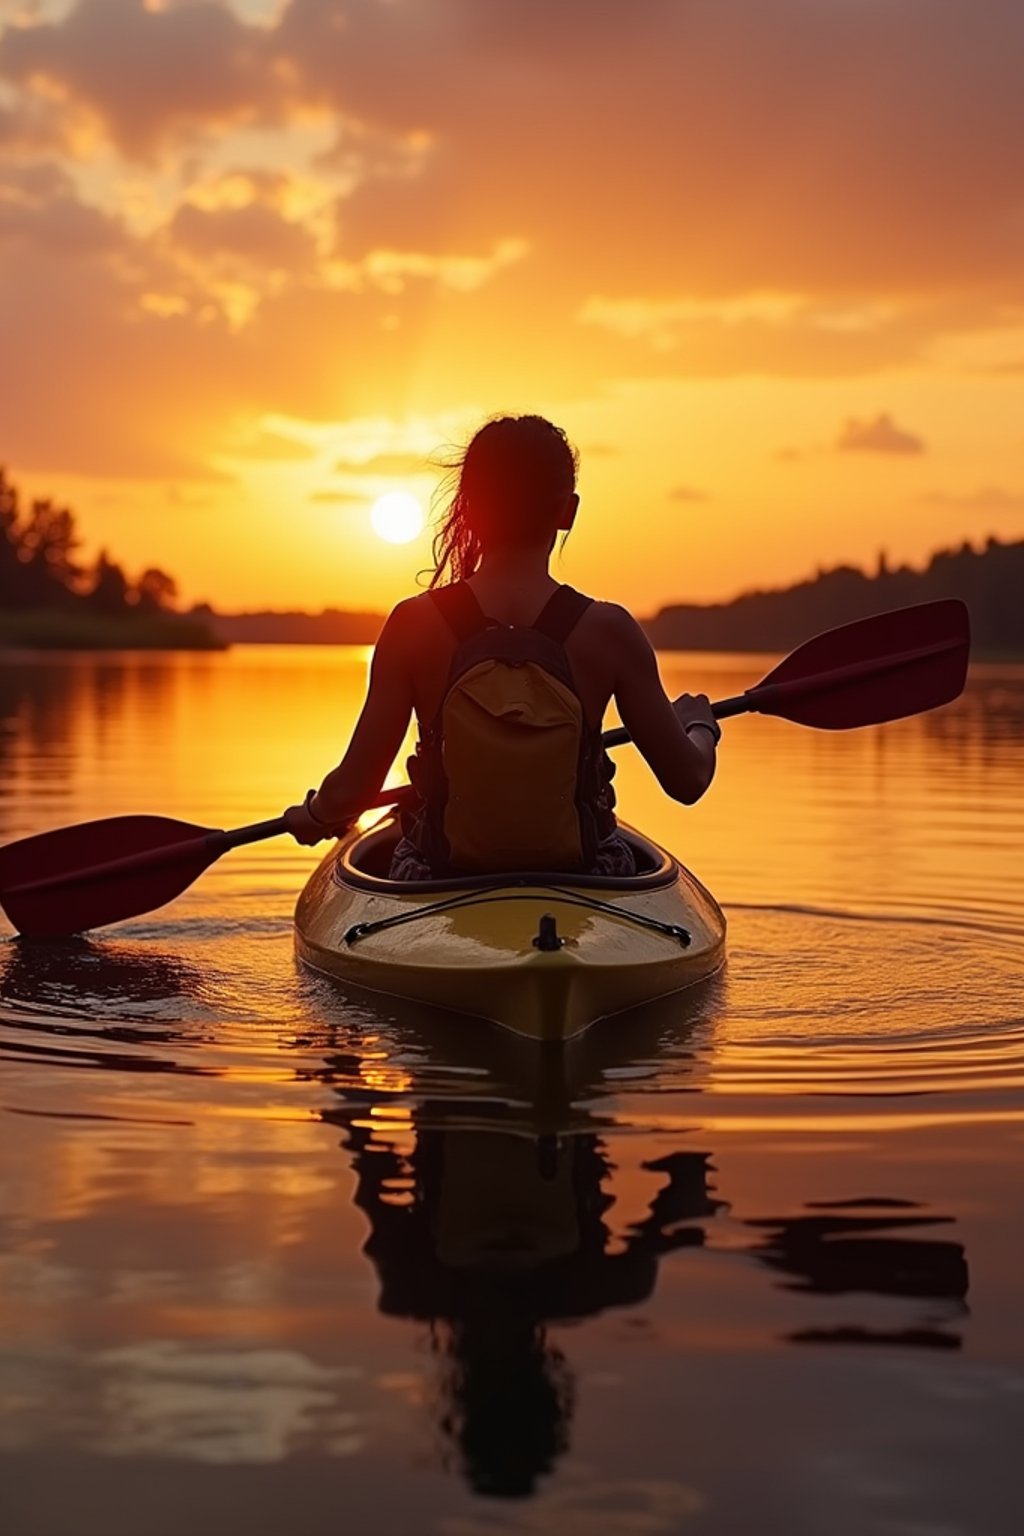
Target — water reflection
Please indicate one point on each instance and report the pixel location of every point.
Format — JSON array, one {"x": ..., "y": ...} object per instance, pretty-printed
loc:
[
  {"x": 498, "y": 1214},
  {"x": 100, "y": 981},
  {"x": 489, "y": 1236},
  {"x": 61, "y": 718},
  {"x": 838, "y": 1249},
  {"x": 77, "y": 1003}
]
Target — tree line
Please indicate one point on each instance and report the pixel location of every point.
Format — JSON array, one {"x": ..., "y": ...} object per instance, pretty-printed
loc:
[
  {"x": 40, "y": 567},
  {"x": 990, "y": 580}
]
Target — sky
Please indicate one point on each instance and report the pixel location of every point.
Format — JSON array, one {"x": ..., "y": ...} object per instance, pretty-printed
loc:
[{"x": 264, "y": 260}]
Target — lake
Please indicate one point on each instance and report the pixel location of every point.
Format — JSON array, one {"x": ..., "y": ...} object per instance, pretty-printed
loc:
[{"x": 274, "y": 1258}]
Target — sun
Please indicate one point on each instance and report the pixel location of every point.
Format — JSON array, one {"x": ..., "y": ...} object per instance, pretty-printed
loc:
[{"x": 396, "y": 517}]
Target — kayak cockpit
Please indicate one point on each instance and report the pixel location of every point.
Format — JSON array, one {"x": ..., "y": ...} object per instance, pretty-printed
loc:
[{"x": 363, "y": 864}]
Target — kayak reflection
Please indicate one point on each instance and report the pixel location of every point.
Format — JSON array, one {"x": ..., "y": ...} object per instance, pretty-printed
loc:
[
  {"x": 490, "y": 1235},
  {"x": 495, "y": 1214}
]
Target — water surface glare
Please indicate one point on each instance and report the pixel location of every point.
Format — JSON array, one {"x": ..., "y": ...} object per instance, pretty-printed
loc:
[{"x": 273, "y": 1257}]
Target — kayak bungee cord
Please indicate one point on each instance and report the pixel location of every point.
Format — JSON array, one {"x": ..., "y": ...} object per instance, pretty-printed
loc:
[{"x": 471, "y": 899}]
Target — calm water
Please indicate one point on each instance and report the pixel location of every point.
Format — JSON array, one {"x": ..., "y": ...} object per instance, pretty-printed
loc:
[{"x": 274, "y": 1259}]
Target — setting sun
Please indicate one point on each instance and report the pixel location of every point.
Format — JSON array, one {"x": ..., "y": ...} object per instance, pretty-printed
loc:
[{"x": 397, "y": 517}]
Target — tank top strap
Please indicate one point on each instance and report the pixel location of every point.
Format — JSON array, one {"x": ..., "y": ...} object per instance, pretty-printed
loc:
[
  {"x": 460, "y": 610},
  {"x": 561, "y": 613}
]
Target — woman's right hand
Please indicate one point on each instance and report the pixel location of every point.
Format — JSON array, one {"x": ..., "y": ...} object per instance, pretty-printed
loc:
[{"x": 304, "y": 828}]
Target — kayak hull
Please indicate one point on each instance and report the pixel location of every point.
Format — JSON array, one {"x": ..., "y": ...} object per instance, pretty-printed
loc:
[{"x": 477, "y": 946}]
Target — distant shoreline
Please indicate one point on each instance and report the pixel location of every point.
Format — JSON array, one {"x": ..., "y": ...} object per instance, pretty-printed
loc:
[
  {"x": 177, "y": 635},
  {"x": 333, "y": 626},
  {"x": 767, "y": 622},
  {"x": 41, "y": 629}
]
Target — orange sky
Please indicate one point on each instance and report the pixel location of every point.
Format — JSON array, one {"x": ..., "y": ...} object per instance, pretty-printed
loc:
[{"x": 763, "y": 259}]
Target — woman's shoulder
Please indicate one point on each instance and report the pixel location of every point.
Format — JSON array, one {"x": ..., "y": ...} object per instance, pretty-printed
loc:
[
  {"x": 411, "y": 611},
  {"x": 610, "y": 619},
  {"x": 611, "y": 613},
  {"x": 412, "y": 621},
  {"x": 607, "y": 636}
]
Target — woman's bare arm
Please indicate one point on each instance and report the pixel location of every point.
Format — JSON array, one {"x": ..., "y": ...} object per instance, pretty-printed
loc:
[
  {"x": 682, "y": 761},
  {"x": 378, "y": 734}
]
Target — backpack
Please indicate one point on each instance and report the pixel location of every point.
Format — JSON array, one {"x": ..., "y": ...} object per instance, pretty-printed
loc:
[{"x": 510, "y": 776}]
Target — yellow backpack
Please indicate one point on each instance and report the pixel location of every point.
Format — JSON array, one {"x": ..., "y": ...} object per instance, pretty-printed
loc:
[{"x": 509, "y": 773}]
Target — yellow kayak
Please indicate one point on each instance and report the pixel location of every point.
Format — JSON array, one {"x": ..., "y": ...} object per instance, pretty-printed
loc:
[{"x": 541, "y": 954}]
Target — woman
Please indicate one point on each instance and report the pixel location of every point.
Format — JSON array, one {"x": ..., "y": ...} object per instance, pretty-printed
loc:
[{"x": 510, "y": 675}]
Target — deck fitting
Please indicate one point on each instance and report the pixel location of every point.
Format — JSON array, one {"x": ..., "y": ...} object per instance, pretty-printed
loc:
[{"x": 547, "y": 934}]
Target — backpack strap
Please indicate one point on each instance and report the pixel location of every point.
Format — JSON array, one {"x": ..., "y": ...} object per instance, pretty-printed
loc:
[
  {"x": 561, "y": 613},
  {"x": 460, "y": 610}
]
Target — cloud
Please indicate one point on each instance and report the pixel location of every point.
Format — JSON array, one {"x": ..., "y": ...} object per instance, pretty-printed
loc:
[
  {"x": 145, "y": 73},
  {"x": 333, "y": 214},
  {"x": 186, "y": 501},
  {"x": 393, "y": 270},
  {"x": 269, "y": 445},
  {"x": 30, "y": 126},
  {"x": 404, "y": 198},
  {"x": 989, "y": 499},
  {"x": 96, "y": 384},
  {"x": 815, "y": 158},
  {"x": 687, "y": 493},
  {"x": 880, "y": 435},
  {"x": 385, "y": 464},
  {"x": 340, "y": 498},
  {"x": 798, "y": 160},
  {"x": 252, "y": 235},
  {"x": 781, "y": 335},
  {"x": 40, "y": 211}
]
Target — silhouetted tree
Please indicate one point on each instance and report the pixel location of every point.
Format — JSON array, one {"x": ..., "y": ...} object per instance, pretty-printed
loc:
[
  {"x": 8, "y": 505},
  {"x": 989, "y": 580},
  {"x": 41, "y": 575},
  {"x": 10, "y": 520},
  {"x": 155, "y": 591},
  {"x": 109, "y": 586},
  {"x": 44, "y": 544}
]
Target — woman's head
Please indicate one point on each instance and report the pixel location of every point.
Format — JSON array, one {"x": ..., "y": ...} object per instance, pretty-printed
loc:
[{"x": 514, "y": 485}]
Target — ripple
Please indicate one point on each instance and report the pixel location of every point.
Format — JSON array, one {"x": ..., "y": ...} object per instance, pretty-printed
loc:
[
  {"x": 822, "y": 1016},
  {"x": 938, "y": 916},
  {"x": 954, "y": 1062}
]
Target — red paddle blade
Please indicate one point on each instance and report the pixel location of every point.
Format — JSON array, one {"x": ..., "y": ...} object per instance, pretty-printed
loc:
[
  {"x": 99, "y": 872},
  {"x": 876, "y": 669}
]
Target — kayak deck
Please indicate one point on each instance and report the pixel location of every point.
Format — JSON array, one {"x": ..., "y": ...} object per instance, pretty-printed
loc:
[{"x": 542, "y": 954}]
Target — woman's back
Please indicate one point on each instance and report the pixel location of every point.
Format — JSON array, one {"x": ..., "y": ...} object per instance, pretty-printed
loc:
[{"x": 515, "y": 493}]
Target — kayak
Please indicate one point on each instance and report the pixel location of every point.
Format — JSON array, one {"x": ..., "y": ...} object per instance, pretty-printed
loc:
[{"x": 543, "y": 954}]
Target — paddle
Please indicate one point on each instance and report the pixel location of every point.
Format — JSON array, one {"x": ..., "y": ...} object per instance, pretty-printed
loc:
[
  {"x": 100, "y": 872},
  {"x": 876, "y": 669}
]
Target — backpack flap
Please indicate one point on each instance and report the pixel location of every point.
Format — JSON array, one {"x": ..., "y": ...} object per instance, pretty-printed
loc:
[{"x": 511, "y": 734}]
